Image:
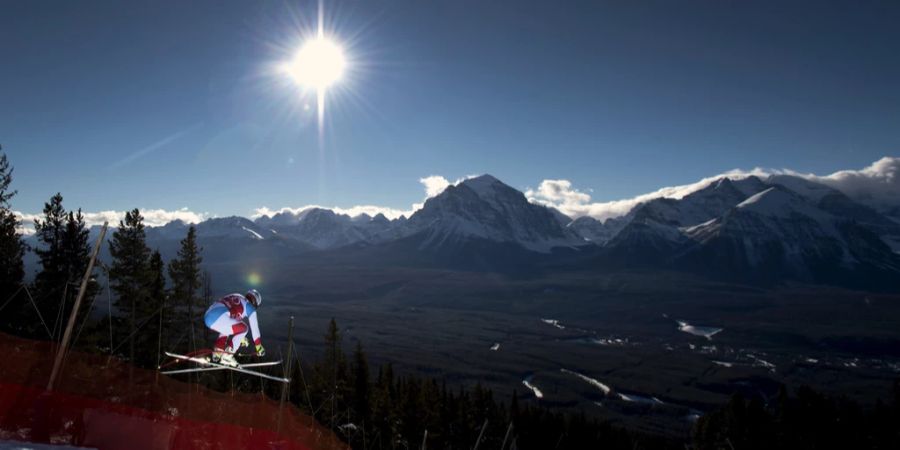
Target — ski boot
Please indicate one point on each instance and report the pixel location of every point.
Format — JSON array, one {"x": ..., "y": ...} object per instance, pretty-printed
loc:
[
  {"x": 227, "y": 358},
  {"x": 224, "y": 357}
]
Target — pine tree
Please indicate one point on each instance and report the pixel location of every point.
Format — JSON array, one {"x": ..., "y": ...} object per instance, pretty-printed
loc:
[
  {"x": 64, "y": 253},
  {"x": 50, "y": 282},
  {"x": 12, "y": 248},
  {"x": 362, "y": 387},
  {"x": 129, "y": 275},
  {"x": 330, "y": 384},
  {"x": 156, "y": 305},
  {"x": 184, "y": 271},
  {"x": 207, "y": 299},
  {"x": 76, "y": 248}
]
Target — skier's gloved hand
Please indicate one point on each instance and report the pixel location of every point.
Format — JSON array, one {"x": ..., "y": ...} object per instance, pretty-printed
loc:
[{"x": 260, "y": 351}]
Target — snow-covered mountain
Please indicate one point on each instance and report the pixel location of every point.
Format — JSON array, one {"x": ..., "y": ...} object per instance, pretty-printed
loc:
[
  {"x": 655, "y": 229},
  {"x": 483, "y": 208},
  {"x": 595, "y": 231},
  {"x": 778, "y": 232},
  {"x": 321, "y": 228},
  {"x": 776, "y": 227},
  {"x": 234, "y": 227}
]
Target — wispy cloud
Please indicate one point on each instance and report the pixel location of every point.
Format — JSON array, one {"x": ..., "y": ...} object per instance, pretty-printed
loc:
[{"x": 154, "y": 146}]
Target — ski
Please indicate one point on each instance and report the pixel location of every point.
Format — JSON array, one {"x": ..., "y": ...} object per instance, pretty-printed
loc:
[
  {"x": 206, "y": 361},
  {"x": 219, "y": 367},
  {"x": 213, "y": 366}
]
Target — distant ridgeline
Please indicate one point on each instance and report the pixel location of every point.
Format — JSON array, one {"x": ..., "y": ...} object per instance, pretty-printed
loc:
[{"x": 747, "y": 229}]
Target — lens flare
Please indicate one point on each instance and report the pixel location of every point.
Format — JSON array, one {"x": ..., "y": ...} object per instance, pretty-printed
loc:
[{"x": 253, "y": 279}]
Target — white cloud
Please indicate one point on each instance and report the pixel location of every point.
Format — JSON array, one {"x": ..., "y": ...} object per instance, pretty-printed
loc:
[
  {"x": 877, "y": 185},
  {"x": 575, "y": 203},
  {"x": 152, "y": 217},
  {"x": 434, "y": 185}
]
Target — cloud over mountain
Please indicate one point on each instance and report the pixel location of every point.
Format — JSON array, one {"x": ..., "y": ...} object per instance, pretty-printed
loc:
[
  {"x": 152, "y": 217},
  {"x": 433, "y": 184},
  {"x": 877, "y": 185}
]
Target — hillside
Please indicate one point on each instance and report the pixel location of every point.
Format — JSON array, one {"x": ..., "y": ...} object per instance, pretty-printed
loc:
[{"x": 103, "y": 402}]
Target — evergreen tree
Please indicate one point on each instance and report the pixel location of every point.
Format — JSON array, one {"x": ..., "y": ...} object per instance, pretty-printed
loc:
[
  {"x": 64, "y": 254},
  {"x": 12, "y": 248},
  {"x": 76, "y": 248},
  {"x": 206, "y": 299},
  {"x": 362, "y": 388},
  {"x": 184, "y": 271},
  {"x": 157, "y": 305},
  {"x": 129, "y": 276},
  {"x": 50, "y": 282},
  {"x": 330, "y": 384}
]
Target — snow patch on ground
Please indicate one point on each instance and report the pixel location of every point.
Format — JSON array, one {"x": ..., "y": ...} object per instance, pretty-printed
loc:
[
  {"x": 634, "y": 398},
  {"x": 496, "y": 346},
  {"x": 553, "y": 322},
  {"x": 603, "y": 387},
  {"x": 759, "y": 362},
  {"x": 255, "y": 234},
  {"x": 707, "y": 332},
  {"x": 723, "y": 363},
  {"x": 609, "y": 341},
  {"x": 537, "y": 392}
]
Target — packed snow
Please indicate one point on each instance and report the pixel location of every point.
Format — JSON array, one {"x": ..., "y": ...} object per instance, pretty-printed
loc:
[{"x": 496, "y": 346}]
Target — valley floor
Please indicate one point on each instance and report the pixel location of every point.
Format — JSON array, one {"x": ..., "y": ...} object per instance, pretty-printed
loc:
[{"x": 651, "y": 351}]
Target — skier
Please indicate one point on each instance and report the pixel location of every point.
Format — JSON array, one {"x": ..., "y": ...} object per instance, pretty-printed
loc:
[{"x": 226, "y": 317}]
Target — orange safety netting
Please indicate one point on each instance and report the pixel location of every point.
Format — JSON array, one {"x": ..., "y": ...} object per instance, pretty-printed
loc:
[{"x": 105, "y": 403}]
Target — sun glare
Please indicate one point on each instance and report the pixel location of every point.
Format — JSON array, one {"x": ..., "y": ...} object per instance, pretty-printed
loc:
[{"x": 319, "y": 64}]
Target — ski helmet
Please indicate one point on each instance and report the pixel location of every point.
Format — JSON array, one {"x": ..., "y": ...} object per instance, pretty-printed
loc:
[{"x": 254, "y": 297}]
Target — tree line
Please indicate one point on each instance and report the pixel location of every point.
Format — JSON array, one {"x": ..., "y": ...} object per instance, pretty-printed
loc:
[
  {"x": 807, "y": 419},
  {"x": 155, "y": 304},
  {"x": 380, "y": 409}
]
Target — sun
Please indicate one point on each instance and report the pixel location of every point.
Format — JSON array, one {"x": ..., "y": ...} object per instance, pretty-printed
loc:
[{"x": 318, "y": 64}]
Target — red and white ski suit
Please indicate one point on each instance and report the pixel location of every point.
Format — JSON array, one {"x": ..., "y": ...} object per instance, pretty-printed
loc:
[{"x": 226, "y": 316}]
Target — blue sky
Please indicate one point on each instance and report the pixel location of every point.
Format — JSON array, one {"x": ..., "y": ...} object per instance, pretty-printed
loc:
[{"x": 154, "y": 105}]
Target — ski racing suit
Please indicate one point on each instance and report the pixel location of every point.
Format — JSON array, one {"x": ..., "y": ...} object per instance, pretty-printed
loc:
[{"x": 226, "y": 317}]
